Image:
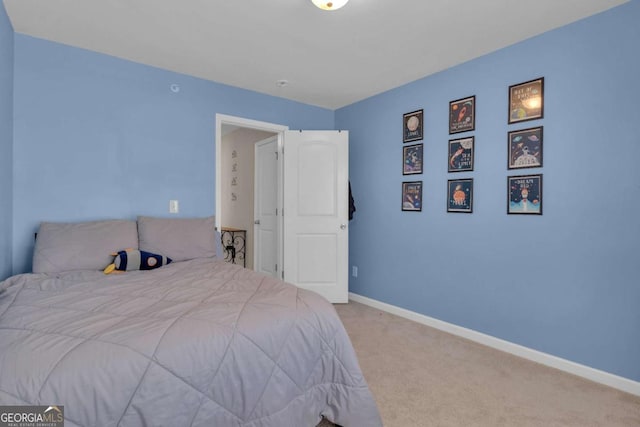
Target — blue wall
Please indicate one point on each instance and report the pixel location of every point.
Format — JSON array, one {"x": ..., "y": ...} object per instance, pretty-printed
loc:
[
  {"x": 6, "y": 143},
  {"x": 100, "y": 137},
  {"x": 565, "y": 283}
]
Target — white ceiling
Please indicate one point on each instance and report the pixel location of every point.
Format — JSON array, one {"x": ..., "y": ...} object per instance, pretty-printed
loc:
[{"x": 331, "y": 59}]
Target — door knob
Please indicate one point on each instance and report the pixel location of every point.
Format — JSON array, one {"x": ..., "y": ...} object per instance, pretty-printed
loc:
[
  {"x": 343, "y": 226},
  {"x": 256, "y": 222}
]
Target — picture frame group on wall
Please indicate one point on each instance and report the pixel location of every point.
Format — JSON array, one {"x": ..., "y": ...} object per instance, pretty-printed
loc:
[
  {"x": 412, "y": 126},
  {"x": 525, "y": 148},
  {"x": 412, "y": 196},
  {"x": 526, "y": 101},
  {"x": 460, "y": 195},
  {"x": 524, "y": 195},
  {"x": 460, "y": 156},
  {"x": 412, "y": 159},
  {"x": 462, "y": 115}
]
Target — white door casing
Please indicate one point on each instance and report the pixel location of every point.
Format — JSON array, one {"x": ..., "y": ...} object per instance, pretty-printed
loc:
[
  {"x": 316, "y": 231},
  {"x": 266, "y": 230}
]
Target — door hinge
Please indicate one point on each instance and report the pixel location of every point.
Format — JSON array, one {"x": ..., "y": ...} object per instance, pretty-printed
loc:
[
  {"x": 282, "y": 274},
  {"x": 276, "y": 267},
  {"x": 276, "y": 155}
]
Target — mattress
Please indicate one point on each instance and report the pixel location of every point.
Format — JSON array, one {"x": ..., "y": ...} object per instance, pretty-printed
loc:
[{"x": 195, "y": 343}]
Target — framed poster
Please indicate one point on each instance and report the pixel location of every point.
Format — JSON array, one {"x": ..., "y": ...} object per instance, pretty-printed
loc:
[
  {"x": 412, "y": 125},
  {"x": 525, "y": 148},
  {"x": 412, "y": 196},
  {"x": 462, "y": 115},
  {"x": 524, "y": 194},
  {"x": 412, "y": 159},
  {"x": 526, "y": 101},
  {"x": 460, "y": 157},
  {"x": 460, "y": 195}
]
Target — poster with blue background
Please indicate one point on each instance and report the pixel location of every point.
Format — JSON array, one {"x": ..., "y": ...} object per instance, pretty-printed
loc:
[{"x": 525, "y": 194}]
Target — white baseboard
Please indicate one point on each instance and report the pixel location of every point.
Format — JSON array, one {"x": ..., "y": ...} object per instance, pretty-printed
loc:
[{"x": 611, "y": 380}]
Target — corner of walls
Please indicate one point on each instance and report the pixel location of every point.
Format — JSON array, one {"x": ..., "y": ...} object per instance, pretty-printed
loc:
[{"x": 6, "y": 143}]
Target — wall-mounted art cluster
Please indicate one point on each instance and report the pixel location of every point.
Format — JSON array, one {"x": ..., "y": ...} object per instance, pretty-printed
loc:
[{"x": 524, "y": 150}]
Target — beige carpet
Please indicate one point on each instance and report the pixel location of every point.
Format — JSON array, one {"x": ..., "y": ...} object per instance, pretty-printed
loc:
[{"x": 423, "y": 377}]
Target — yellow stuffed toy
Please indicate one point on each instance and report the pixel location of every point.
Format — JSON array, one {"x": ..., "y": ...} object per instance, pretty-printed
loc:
[{"x": 134, "y": 259}]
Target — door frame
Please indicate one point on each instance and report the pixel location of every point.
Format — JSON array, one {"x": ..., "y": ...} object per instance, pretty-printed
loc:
[{"x": 223, "y": 119}]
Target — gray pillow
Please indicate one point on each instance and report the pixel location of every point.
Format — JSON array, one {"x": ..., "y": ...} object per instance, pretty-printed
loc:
[
  {"x": 81, "y": 245},
  {"x": 180, "y": 239}
]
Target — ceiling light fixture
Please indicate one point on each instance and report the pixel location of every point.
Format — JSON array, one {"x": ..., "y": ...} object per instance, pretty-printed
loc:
[{"x": 329, "y": 4}]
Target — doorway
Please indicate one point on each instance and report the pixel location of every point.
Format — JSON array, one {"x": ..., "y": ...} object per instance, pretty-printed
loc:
[
  {"x": 236, "y": 185},
  {"x": 312, "y": 236}
]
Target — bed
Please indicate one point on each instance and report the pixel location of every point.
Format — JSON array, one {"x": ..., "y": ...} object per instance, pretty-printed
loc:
[{"x": 197, "y": 342}]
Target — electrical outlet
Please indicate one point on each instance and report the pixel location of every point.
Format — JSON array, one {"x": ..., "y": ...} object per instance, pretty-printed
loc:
[
  {"x": 354, "y": 271},
  {"x": 173, "y": 206}
]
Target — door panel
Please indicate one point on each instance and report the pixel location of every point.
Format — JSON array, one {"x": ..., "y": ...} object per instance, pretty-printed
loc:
[
  {"x": 317, "y": 197},
  {"x": 316, "y": 235},
  {"x": 313, "y": 266}
]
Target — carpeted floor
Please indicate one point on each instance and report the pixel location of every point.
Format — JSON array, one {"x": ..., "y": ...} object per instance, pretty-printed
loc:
[{"x": 423, "y": 377}]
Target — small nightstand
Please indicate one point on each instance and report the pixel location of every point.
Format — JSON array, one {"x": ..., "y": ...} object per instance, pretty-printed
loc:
[{"x": 233, "y": 243}]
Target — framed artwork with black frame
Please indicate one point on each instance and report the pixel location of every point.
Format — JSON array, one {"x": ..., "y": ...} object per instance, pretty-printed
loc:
[
  {"x": 412, "y": 159},
  {"x": 526, "y": 101},
  {"x": 524, "y": 194},
  {"x": 462, "y": 115},
  {"x": 412, "y": 196},
  {"x": 460, "y": 195},
  {"x": 412, "y": 126},
  {"x": 460, "y": 158},
  {"x": 525, "y": 148}
]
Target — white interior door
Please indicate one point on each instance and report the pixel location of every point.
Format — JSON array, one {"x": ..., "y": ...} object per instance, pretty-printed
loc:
[
  {"x": 266, "y": 207},
  {"x": 316, "y": 233}
]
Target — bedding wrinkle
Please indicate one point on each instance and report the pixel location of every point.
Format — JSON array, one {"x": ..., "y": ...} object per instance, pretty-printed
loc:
[
  {"x": 233, "y": 337},
  {"x": 273, "y": 370},
  {"x": 235, "y": 333},
  {"x": 3, "y": 296},
  {"x": 151, "y": 360},
  {"x": 333, "y": 338}
]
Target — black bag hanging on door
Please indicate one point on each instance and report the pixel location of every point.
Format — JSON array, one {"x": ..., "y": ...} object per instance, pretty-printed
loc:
[{"x": 352, "y": 204}]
